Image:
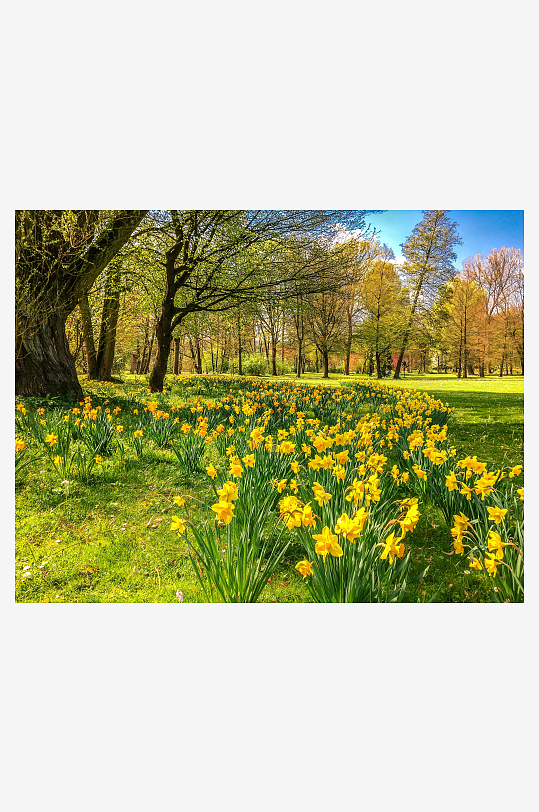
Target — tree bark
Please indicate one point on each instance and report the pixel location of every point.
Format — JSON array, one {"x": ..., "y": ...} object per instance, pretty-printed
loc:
[
  {"x": 378, "y": 365},
  {"x": 142, "y": 358},
  {"x": 199, "y": 354},
  {"x": 159, "y": 369},
  {"x": 88, "y": 337},
  {"x": 148, "y": 360},
  {"x": 109, "y": 324},
  {"x": 348, "y": 346},
  {"x": 325, "y": 363},
  {"x": 274, "y": 357},
  {"x": 240, "y": 350},
  {"x": 44, "y": 364},
  {"x": 176, "y": 356}
]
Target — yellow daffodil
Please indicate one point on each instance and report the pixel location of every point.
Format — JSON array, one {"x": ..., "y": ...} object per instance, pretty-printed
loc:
[
  {"x": 51, "y": 439},
  {"x": 491, "y": 563},
  {"x": 458, "y": 546},
  {"x": 211, "y": 471},
  {"x": 466, "y": 491},
  {"x": 178, "y": 524},
  {"x": 326, "y": 543},
  {"x": 289, "y": 504},
  {"x": 315, "y": 463},
  {"x": 476, "y": 564},
  {"x": 229, "y": 492},
  {"x": 287, "y": 447},
  {"x": 249, "y": 460},
  {"x": 351, "y": 528},
  {"x": 516, "y": 471},
  {"x": 304, "y": 568},
  {"x": 520, "y": 492},
  {"x": 342, "y": 457},
  {"x": 451, "y": 482},
  {"x": 236, "y": 469},
  {"x": 138, "y": 434},
  {"x": 294, "y": 466},
  {"x": 179, "y": 500},
  {"x": 307, "y": 518},
  {"x": 19, "y": 445},
  {"x": 485, "y": 485},
  {"x": 495, "y": 544},
  {"x": 392, "y": 548},
  {"x": 355, "y": 492},
  {"x": 292, "y": 511},
  {"x": 496, "y": 514},
  {"x": 320, "y": 494},
  {"x": 224, "y": 511},
  {"x": 410, "y": 520}
]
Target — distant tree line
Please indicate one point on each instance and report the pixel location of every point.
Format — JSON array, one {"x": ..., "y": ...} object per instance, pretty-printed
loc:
[{"x": 254, "y": 292}]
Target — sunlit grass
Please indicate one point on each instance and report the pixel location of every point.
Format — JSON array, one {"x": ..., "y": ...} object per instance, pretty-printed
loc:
[{"x": 110, "y": 541}]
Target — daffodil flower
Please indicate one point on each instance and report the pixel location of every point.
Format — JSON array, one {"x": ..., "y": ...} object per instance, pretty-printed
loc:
[
  {"x": 496, "y": 514},
  {"x": 392, "y": 548},
  {"x": 326, "y": 543},
  {"x": 304, "y": 568},
  {"x": 224, "y": 511},
  {"x": 178, "y": 524}
]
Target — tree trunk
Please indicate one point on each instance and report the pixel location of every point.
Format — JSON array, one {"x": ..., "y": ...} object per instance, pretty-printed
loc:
[
  {"x": 88, "y": 337},
  {"x": 397, "y": 374},
  {"x": 109, "y": 323},
  {"x": 348, "y": 347},
  {"x": 378, "y": 365},
  {"x": 325, "y": 363},
  {"x": 240, "y": 350},
  {"x": 273, "y": 357},
  {"x": 176, "y": 366},
  {"x": 159, "y": 369},
  {"x": 43, "y": 362},
  {"x": 142, "y": 358},
  {"x": 149, "y": 356},
  {"x": 199, "y": 355}
]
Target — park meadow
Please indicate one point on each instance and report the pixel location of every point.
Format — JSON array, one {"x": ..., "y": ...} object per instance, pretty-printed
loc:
[
  {"x": 117, "y": 497},
  {"x": 265, "y": 406}
]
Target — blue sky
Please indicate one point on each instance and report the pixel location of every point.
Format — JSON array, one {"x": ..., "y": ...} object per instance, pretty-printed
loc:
[{"x": 480, "y": 231}]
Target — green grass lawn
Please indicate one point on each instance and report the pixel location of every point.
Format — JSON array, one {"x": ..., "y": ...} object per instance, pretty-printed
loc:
[{"x": 110, "y": 540}]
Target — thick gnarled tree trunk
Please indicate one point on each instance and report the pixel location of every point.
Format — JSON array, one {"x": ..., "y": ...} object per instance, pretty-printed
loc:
[
  {"x": 51, "y": 277},
  {"x": 43, "y": 361}
]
